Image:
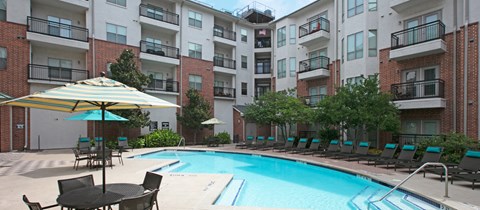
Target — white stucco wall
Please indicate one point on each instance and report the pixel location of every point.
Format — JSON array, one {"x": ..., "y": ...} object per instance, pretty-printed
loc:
[
  {"x": 18, "y": 10},
  {"x": 40, "y": 55},
  {"x": 224, "y": 112},
  {"x": 163, "y": 115}
]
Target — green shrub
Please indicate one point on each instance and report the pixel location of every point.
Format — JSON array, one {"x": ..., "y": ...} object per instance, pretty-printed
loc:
[
  {"x": 111, "y": 144},
  {"x": 454, "y": 146},
  {"x": 224, "y": 137},
  {"x": 326, "y": 135},
  {"x": 137, "y": 143},
  {"x": 162, "y": 138}
]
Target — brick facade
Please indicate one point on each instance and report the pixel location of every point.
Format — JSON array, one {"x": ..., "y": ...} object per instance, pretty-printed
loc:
[{"x": 238, "y": 125}]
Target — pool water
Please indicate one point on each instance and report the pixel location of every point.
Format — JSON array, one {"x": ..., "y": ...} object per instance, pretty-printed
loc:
[{"x": 278, "y": 183}]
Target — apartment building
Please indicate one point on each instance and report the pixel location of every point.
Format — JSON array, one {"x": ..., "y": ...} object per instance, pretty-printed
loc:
[{"x": 417, "y": 49}]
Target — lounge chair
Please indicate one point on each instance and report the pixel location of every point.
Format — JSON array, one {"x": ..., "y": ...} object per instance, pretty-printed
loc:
[
  {"x": 270, "y": 143},
  {"x": 334, "y": 146},
  {"x": 470, "y": 163},
  {"x": 432, "y": 154},
  {"x": 302, "y": 144},
  {"x": 259, "y": 143},
  {"x": 288, "y": 145},
  {"x": 406, "y": 155},
  {"x": 123, "y": 143},
  {"x": 361, "y": 151},
  {"x": 36, "y": 205},
  {"x": 347, "y": 148},
  {"x": 84, "y": 145},
  {"x": 98, "y": 142},
  {"x": 248, "y": 142},
  {"x": 387, "y": 153},
  {"x": 314, "y": 147},
  {"x": 467, "y": 177}
]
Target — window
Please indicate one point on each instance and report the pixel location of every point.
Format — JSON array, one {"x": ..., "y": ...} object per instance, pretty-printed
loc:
[
  {"x": 342, "y": 50},
  {"x": 118, "y": 2},
  {"x": 244, "y": 88},
  {"x": 217, "y": 83},
  {"x": 3, "y": 58},
  {"x": 281, "y": 37},
  {"x": 421, "y": 127},
  {"x": 3, "y": 10},
  {"x": 153, "y": 44},
  {"x": 153, "y": 125},
  {"x": 355, "y": 46},
  {"x": 372, "y": 43},
  {"x": 243, "y": 34},
  {"x": 109, "y": 70},
  {"x": 281, "y": 68},
  {"x": 195, "y": 19},
  {"x": 194, "y": 50},
  {"x": 244, "y": 61},
  {"x": 195, "y": 82},
  {"x": 293, "y": 65},
  {"x": 117, "y": 34},
  {"x": 372, "y": 5},
  {"x": 293, "y": 33},
  {"x": 59, "y": 27},
  {"x": 355, "y": 80},
  {"x": 263, "y": 66},
  {"x": 59, "y": 68},
  {"x": 343, "y": 11},
  {"x": 354, "y": 7},
  {"x": 422, "y": 82}
]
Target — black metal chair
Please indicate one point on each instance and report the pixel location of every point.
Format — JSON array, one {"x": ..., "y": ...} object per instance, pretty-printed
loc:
[
  {"x": 79, "y": 157},
  {"x": 152, "y": 182},
  {"x": 66, "y": 185},
  {"x": 36, "y": 205},
  {"x": 118, "y": 155},
  {"x": 98, "y": 159},
  {"x": 142, "y": 202}
]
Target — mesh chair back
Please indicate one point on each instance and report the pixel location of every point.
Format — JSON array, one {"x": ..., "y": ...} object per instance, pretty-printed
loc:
[
  {"x": 314, "y": 144},
  {"x": 302, "y": 143},
  {"x": 347, "y": 147},
  {"x": 470, "y": 161},
  {"x": 66, "y": 185},
  {"x": 98, "y": 142},
  {"x": 362, "y": 148},
  {"x": 333, "y": 146},
  {"x": 389, "y": 151},
  {"x": 31, "y": 205},
  {"x": 152, "y": 181},
  {"x": 84, "y": 143},
  {"x": 432, "y": 154},
  {"x": 142, "y": 202},
  {"x": 122, "y": 142},
  {"x": 407, "y": 152}
]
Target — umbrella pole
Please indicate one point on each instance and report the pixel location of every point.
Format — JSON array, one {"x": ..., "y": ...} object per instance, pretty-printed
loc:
[{"x": 103, "y": 146}]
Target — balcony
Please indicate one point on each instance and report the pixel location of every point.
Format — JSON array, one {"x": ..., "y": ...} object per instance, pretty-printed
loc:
[
  {"x": 425, "y": 94},
  {"x": 314, "y": 33},
  {"x": 157, "y": 17},
  {"x": 403, "y": 139},
  {"x": 49, "y": 74},
  {"x": 224, "y": 92},
  {"x": 426, "y": 39},
  {"x": 313, "y": 99},
  {"x": 263, "y": 45},
  {"x": 401, "y": 6},
  {"x": 224, "y": 65},
  {"x": 163, "y": 85},
  {"x": 159, "y": 53},
  {"x": 55, "y": 33},
  {"x": 314, "y": 68},
  {"x": 223, "y": 36}
]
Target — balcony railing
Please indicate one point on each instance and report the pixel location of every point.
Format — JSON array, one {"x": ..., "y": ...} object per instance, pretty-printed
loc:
[
  {"x": 159, "y": 49},
  {"x": 313, "y": 99},
  {"x": 224, "y": 92},
  {"x": 418, "y": 34},
  {"x": 158, "y": 13},
  {"x": 403, "y": 139},
  {"x": 417, "y": 90},
  {"x": 314, "y": 26},
  {"x": 221, "y": 32},
  {"x": 320, "y": 62},
  {"x": 224, "y": 62},
  {"x": 58, "y": 74},
  {"x": 263, "y": 42},
  {"x": 163, "y": 85},
  {"x": 57, "y": 29}
]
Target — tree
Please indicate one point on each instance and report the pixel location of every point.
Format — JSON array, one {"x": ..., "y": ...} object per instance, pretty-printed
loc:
[
  {"x": 195, "y": 112},
  {"x": 125, "y": 70},
  {"x": 278, "y": 108},
  {"x": 359, "y": 106}
]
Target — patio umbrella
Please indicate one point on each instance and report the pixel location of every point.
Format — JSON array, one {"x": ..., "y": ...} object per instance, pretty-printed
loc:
[
  {"x": 213, "y": 121},
  {"x": 96, "y": 115},
  {"x": 4, "y": 97},
  {"x": 92, "y": 94}
]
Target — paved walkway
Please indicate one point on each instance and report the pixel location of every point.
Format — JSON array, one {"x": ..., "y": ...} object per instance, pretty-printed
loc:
[{"x": 36, "y": 175}]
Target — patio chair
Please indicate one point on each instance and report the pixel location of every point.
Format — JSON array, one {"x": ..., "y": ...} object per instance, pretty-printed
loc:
[
  {"x": 302, "y": 144},
  {"x": 97, "y": 160},
  {"x": 118, "y": 155},
  {"x": 333, "y": 147},
  {"x": 152, "y": 182},
  {"x": 361, "y": 151},
  {"x": 67, "y": 185},
  {"x": 98, "y": 142},
  {"x": 142, "y": 202},
  {"x": 432, "y": 154},
  {"x": 387, "y": 153},
  {"x": 269, "y": 144},
  {"x": 123, "y": 143},
  {"x": 347, "y": 148},
  {"x": 248, "y": 142},
  {"x": 288, "y": 145},
  {"x": 259, "y": 143},
  {"x": 470, "y": 163},
  {"x": 467, "y": 177},
  {"x": 314, "y": 146},
  {"x": 36, "y": 205},
  {"x": 79, "y": 157},
  {"x": 406, "y": 155},
  {"x": 84, "y": 145}
]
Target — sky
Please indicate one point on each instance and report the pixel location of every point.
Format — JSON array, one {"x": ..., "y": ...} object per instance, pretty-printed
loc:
[{"x": 281, "y": 7}]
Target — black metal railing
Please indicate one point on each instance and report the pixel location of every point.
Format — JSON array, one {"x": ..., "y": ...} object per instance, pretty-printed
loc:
[
  {"x": 403, "y": 139},
  {"x": 158, "y": 13},
  {"x": 163, "y": 85},
  {"x": 224, "y": 33},
  {"x": 59, "y": 74},
  {"x": 319, "y": 24},
  {"x": 159, "y": 49},
  {"x": 312, "y": 100},
  {"x": 224, "y": 62},
  {"x": 57, "y": 29},
  {"x": 320, "y": 62},
  {"x": 263, "y": 42},
  {"x": 224, "y": 92},
  {"x": 419, "y": 89},
  {"x": 418, "y": 34}
]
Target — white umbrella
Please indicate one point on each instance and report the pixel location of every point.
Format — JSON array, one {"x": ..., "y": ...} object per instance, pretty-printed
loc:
[{"x": 213, "y": 121}]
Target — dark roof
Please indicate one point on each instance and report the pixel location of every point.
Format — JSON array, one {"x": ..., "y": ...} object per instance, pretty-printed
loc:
[{"x": 240, "y": 108}]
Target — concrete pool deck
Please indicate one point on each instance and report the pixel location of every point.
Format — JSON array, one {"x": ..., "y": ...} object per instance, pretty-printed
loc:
[{"x": 36, "y": 173}]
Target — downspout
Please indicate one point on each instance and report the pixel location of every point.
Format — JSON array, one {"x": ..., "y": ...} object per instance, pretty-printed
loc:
[
  {"x": 94, "y": 65},
  {"x": 335, "y": 49},
  {"x": 11, "y": 128},
  {"x": 454, "y": 77},
  {"x": 465, "y": 66},
  {"x": 26, "y": 128},
  {"x": 181, "y": 65}
]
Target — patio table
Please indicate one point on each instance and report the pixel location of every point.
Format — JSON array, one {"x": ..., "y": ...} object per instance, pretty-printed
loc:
[{"x": 92, "y": 197}]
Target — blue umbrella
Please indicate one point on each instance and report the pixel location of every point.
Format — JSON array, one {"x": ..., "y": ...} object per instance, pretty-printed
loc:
[{"x": 96, "y": 115}]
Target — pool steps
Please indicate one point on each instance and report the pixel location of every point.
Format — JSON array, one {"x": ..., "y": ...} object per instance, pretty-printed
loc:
[
  {"x": 231, "y": 192},
  {"x": 172, "y": 167}
]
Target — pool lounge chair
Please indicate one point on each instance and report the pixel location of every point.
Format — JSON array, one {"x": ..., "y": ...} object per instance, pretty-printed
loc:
[
  {"x": 259, "y": 143},
  {"x": 406, "y": 155},
  {"x": 387, "y": 153},
  {"x": 470, "y": 163},
  {"x": 122, "y": 143},
  {"x": 84, "y": 145},
  {"x": 432, "y": 154},
  {"x": 314, "y": 147},
  {"x": 270, "y": 143},
  {"x": 334, "y": 146},
  {"x": 288, "y": 145},
  {"x": 347, "y": 148},
  {"x": 302, "y": 144},
  {"x": 361, "y": 151},
  {"x": 467, "y": 177},
  {"x": 98, "y": 142},
  {"x": 246, "y": 143}
]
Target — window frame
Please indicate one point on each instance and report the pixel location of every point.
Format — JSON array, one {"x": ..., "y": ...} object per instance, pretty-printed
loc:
[
  {"x": 244, "y": 90},
  {"x": 197, "y": 23},
  {"x": 357, "y": 8},
  {"x": 372, "y": 50},
  {"x": 281, "y": 68},
  {"x": 116, "y": 34},
  {"x": 197, "y": 85},
  {"x": 244, "y": 64},
  {"x": 3, "y": 60},
  {"x": 357, "y": 52},
  {"x": 292, "y": 63},
  {"x": 4, "y": 4},
  {"x": 292, "y": 33},
  {"x": 281, "y": 36},
  {"x": 197, "y": 54},
  {"x": 116, "y": 2},
  {"x": 243, "y": 37},
  {"x": 372, "y": 5}
]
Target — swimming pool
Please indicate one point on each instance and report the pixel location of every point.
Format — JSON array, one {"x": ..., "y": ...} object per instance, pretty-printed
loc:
[{"x": 278, "y": 183}]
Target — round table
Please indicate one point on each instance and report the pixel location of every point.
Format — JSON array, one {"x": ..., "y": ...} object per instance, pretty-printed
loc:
[{"x": 93, "y": 197}]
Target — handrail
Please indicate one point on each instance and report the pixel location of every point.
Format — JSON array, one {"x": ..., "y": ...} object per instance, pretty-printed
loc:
[
  {"x": 415, "y": 172},
  {"x": 181, "y": 140}
]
